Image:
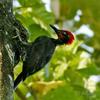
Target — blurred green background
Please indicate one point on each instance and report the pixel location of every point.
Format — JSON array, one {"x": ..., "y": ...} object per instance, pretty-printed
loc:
[{"x": 73, "y": 72}]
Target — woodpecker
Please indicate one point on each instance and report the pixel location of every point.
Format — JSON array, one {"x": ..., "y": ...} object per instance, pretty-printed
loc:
[{"x": 40, "y": 52}]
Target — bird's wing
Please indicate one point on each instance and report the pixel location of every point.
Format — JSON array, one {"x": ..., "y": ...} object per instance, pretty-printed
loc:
[{"x": 38, "y": 55}]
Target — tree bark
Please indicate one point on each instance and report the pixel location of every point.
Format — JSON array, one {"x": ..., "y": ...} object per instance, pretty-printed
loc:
[
  {"x": 6, "y": 76},
  {"x": 13, "y": 38},
  {"x": 1, "y": 94}
]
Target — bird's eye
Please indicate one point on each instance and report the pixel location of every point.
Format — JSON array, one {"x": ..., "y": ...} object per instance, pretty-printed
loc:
[
  {"x": 67, "y": 37},
  {"x": 64, "y": 33}
]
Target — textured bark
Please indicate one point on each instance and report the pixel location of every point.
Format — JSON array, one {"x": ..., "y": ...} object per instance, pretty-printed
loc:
[
  {"x": 13, "y": 37},
  {"x": 1, "y": 94},
  {"x": 6, "y": 76}
]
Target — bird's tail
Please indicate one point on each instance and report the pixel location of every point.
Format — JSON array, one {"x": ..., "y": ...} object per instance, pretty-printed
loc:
[{"x": 18, "y": 80}]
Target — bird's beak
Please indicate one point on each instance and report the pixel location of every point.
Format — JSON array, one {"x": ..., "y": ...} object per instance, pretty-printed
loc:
[{"x": 54, "y": 28}]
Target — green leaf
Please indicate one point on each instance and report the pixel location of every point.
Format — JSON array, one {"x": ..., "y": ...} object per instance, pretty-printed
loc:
[
  {"x": 65, "y": 92},
  {"x": 36, "y": 31},
  {"x": 92, "y": 69}
]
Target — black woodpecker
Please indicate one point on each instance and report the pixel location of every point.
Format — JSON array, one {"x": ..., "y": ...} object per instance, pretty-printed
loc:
[{"x": 40, "y": 52}]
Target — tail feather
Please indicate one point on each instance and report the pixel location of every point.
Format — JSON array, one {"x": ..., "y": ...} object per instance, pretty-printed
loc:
[{"x": 18, "y": 80}]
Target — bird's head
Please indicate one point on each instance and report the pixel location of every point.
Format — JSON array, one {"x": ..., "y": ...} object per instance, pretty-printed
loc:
[{"x": 63, "y": 35}]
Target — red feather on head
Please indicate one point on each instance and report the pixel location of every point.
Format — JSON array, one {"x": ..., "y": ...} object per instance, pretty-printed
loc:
[
  {"x": 71, "y": 37},
  {"x": 64, "y": 35}
]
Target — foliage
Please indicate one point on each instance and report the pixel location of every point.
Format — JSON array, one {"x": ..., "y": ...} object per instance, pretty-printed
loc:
[{"x": 66, "y": 76}]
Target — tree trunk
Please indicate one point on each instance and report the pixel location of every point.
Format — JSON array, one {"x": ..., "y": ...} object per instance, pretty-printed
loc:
[
  {"x": 13, "y": 37},
  {"x": 6, "y": 76}
]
